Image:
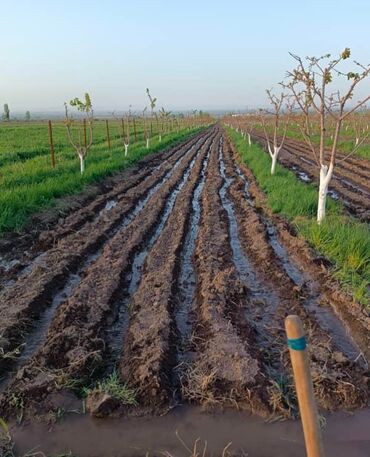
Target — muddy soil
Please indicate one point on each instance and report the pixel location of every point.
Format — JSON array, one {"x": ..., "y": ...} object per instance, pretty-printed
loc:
[{"x": 179, "y": 283}]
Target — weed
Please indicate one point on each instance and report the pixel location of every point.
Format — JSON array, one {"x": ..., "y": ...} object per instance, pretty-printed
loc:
[
  {"x": 112, "y": 386},
  {"x": 17, "y": 402}
]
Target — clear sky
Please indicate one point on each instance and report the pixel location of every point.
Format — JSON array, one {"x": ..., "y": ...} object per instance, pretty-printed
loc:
[{"x": 191, "y": 54}]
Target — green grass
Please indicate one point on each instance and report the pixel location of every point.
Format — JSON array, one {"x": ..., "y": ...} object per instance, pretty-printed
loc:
[
  {"x": 344, "y": 240},
  {"x": 30, "y": 185},
  {"x": 20, "y": 141},
  {"x": 112, "y": 386}
]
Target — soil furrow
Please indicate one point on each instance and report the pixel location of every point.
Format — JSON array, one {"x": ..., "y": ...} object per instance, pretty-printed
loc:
[
  {"x": 77, "y": 337},
  {"x": 186, "y": 283},
  {"x": 150, "y": 348},
  {"x": 355, "y": 201},
  {"x": 34, "y": 291},
  {"x": 344, "y": 169},
  {"x": 225, "y": 369},
  {"x": 354, "y": 166}
]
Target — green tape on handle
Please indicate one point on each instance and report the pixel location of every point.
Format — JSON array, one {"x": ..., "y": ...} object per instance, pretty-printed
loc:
[{"x": 297, "y": 344}]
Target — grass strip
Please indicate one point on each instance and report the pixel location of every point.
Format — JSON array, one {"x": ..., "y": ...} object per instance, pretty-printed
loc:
[{"x": 31, "y": 186}]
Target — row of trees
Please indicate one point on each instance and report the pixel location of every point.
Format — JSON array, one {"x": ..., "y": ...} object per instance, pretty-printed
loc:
[
  {"x": 312, "y": 101},
  {"x": 80, "y": 132}
]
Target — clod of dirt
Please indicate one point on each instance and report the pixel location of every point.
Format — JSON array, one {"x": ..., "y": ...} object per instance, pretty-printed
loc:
[
  {"x": 100, "y": 404},
  {"x": 63, "y": 400}
]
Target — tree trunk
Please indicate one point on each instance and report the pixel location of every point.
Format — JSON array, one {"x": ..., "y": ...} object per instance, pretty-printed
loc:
[
  {"x": 325, "y": 176},
  {"x": 249, "y": 139},
  {"x": 126, "y": 149},
  {"x": 82, "y": 164},
  {"x": 147, "y": 143},
  {"x": 160, "y": 137},
  {"x": 273, "y": 163}
]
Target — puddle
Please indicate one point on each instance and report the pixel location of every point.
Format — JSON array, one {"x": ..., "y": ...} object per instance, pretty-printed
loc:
[
  {"x": 247, "y": 274},
  {"x": 187, "y": 276},
  {"x": 7, "y": 265},
  {"x": 356, "y": 188},
  {"x": 307, "y": 161},
  {"x": 333, "y": 194},
  {"x": 108, "y": 206},
  {"x": 245, "y": 435}
]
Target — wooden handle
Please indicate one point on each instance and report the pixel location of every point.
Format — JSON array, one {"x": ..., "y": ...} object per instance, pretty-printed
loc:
[{"x": 304, "y": 386}]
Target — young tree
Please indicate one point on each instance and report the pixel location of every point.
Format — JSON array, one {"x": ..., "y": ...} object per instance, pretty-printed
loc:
[
  {"x": 360, "y": 126},
  {"x": 310, "y": 84},
  {"x": 153, "y": 102},
  {"x": 27, "y": 116},
  {"x": 251, "y": 123},
  {"x": 126, "y": 131},
  {"x": 278, "y": 106},
  {"x": 82, "y": 145},
  {"x": 164, "y": 115},
  {"x": 6, "y": 115}
]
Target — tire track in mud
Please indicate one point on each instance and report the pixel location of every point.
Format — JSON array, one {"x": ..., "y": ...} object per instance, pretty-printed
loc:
[
  {"x": 61, "y": 267},
  {"x": 77, "y": 339}
]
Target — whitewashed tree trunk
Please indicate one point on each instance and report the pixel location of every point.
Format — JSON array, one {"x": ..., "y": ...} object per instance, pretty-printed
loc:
[
  {"x": 249, "y": 139},
  {"x": 126, "y": 149},
  {"x": 274, "y": 157},
  {"x": 147, "y": 143},
  {"x": 273, "y": 163},
  {"x": 82, "y": 163},
  {"x": 160, "y": 137},
  {"x": 326, "y": 174}
]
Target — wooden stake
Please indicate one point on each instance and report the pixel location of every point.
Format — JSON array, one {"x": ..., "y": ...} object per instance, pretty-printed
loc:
[
  {"x": 108, "y": 137},
  {"x": 135, "y": 130},
  {"x": 52, "y": 151},
  {"x": 304, "y": 386},
  {"x": 123, "y": 128}
]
